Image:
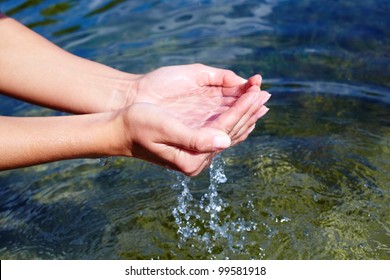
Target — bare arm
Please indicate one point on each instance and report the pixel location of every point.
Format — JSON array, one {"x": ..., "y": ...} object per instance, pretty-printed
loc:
[
  {"x": 36, "y": 140},
  {"x": 177, "y": 117},
  {"x": 141, "y": 131},
  {"x": 35, "y": 70}
]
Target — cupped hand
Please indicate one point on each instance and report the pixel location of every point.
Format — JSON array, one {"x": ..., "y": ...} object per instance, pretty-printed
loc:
[
  {"x": 153, "y": 134},
  {"x": 202, "y": 96}
]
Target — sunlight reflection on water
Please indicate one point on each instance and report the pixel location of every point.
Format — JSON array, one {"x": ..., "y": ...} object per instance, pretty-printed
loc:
[{"x": 311, "y": 182}]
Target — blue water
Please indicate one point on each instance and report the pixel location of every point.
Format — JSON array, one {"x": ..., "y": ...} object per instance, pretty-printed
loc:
[{"x": 311, "y": 182}]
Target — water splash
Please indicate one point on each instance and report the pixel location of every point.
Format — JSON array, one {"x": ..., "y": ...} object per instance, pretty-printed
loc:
[
  {"x": 215, "y": 204},
  {"x": 183, "y": 213},
  {"x": 204, "y": 223},
  {"x": 104, "y": 161}
]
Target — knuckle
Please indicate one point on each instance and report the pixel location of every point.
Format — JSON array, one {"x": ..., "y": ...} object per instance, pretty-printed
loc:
[
  {"x": 229, "y": 72},
  {"x": 198, "y": 65},
  {"x": 193, "y": 143}
]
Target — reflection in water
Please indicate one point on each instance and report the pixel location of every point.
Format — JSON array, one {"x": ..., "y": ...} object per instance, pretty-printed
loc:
[
  {"x": 311, "y": 182},
  {"x": 34, "y": 228},
  {"x": 105, "y": 7}
]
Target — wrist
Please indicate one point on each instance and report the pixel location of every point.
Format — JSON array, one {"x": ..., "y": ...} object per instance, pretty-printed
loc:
[
  {"x": 116, "y": 127},
  {"x": 122, "y": 90},
  {"x": 36, "y": 140}
]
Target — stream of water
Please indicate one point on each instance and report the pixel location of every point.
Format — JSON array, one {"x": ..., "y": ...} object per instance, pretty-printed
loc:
[{"x": 200, "y": 222}]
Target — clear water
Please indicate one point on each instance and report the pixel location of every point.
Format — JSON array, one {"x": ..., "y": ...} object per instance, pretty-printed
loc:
[
  {"x": 200, "y": 222},
  {"x": 311, "y": 182}
]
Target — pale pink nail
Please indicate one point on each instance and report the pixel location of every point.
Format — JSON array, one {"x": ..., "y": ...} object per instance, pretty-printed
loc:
[
  {"x": 265, "y": 98},
  {"x": 262, "y": 112},
  {"x": 221, "y": 141}
]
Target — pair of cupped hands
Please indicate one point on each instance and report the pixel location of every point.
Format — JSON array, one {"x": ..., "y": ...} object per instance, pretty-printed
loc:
[{"x": 181, "y": 116}]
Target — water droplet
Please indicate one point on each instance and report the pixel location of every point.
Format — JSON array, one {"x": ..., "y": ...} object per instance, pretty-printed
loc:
[{"x": 215, "y": 229}]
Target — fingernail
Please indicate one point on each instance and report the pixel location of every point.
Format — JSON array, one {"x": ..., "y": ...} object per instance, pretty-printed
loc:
[
  {"x": 259, "y": 79},
  {"x": 262, "y": 112},
  {"x": 251, "y": 128},
  {"x": 221, "y": 142},
  {"x": 266, "y": 98}
]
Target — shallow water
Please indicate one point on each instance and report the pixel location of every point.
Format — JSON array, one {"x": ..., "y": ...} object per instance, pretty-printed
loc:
[{"x": 311, "y": 182}]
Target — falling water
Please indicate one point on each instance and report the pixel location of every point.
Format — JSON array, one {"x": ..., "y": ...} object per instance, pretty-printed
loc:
[{"x": 204, "y": 222}]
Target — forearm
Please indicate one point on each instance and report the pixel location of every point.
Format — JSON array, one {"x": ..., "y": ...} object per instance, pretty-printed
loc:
[
  {"x": 35, "y": 140},
  {"x": 35, "y": 70}
]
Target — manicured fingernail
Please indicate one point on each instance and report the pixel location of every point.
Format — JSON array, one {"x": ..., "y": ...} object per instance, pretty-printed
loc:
[
  {"x": 266, "y": 98},
  {"x": 262, "y": 112},
  {"x": 221, "y": 142},
  {"x": 251, "y": 128}
]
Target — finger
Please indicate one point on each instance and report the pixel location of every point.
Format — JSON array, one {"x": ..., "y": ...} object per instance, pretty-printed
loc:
[
  {"x": 244, "y": 136},
  {"x": 250, "y": 129},
  {"x": 264, "y": 110},
  {"x": 200, "y": 140},
  {"x": 205, "y": 163},
  {"x": 250, "y": 123},
  {"x": 182, "y": 160},
  {"x": 250, "y": 116},
  {"x": 245, "y": 106},
  {"x": 228, "y": 120},
  {"x": 232, "y": 84},
  {"x": 228, "y": 100},
  {"x": 221, "y": 77},
  {"x": 255, "y": 80},
  {"x": 189, "y": 163},
  {"x": 253, "y": 83}
]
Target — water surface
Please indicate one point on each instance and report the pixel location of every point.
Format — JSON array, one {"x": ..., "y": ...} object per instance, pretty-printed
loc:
[{"x": 311, "y": 182}]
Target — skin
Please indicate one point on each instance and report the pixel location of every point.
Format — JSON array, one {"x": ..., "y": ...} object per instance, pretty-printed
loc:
[{"x": 178, "y": 117}]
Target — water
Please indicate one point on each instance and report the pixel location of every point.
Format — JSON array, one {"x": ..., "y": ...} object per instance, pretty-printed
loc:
[
  {"x": 311, "y": 182},
  {"x": 201, "y": 223}
]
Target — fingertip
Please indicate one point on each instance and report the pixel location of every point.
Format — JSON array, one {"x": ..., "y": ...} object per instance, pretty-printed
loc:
[
  {"x": 265, "y": 97},
  {"x": 253, "y": 88},
  {"x": 265, "y": 92},
  {"x": 263, "y": 110},
  {"x": 255, "y": 80},
  {"x": 221, "y": 141},
  {"x": 231, "y": 79},
  {"x": 250, "y": 130}
]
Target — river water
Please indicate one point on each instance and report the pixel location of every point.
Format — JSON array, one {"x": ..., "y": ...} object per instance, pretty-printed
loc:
[{"x": 311, "y": 182}]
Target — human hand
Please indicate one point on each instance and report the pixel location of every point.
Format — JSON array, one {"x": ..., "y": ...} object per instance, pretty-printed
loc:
[
  {"x": 153, "y": 134},
  {"x": 203, "y": 96}
]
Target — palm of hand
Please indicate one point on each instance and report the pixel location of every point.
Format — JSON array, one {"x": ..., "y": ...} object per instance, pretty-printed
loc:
[{"x": 185, "y": 93}]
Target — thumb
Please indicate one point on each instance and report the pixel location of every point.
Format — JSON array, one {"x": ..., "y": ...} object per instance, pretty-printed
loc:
[
  {"x": 202, "y": 140},
  {"x": 222, "y": 77}
]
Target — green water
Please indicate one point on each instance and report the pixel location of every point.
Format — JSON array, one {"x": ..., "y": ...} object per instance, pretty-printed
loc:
[{"x": 311, "y": 182}]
